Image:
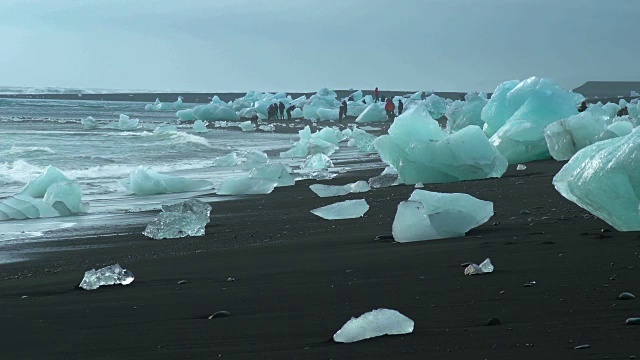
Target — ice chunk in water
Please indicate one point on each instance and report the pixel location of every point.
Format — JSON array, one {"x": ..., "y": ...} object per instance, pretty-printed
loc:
[
  {"x": 200, "y": 126},
  {"x": 254, "y": 158},
  {"x": 273, "y": 171},
  {"x": 187, "y": 218},
  {"x": 327, "y": 190},
  {"x": 317, "y": 161},
  {"x": 109, "y": 275},
  {"x": 66, "y": 198},
  {"x": 89, "y": 123},
  {"x": 148, "y": 182},
  {"x": 372, "y": 324},
  {"x": 373, "y": 113},
  {"x": 246, "y": 185},
  {"x": 485, "y": 267},
  {"x": 604, "y": 179},
  {"x": 429, "y": 215},
  {"x": 230, "y": 159},
  {"x": 349, "y": 209},
  {"x": 126, "y": 123},
  {"x": 247, "y": 126},
  {"x": 520, "y": 115},
  {"x": 186, "y": 115},
  {"x": 422, "y": 152},
  {"x": 38, "y": 186}
]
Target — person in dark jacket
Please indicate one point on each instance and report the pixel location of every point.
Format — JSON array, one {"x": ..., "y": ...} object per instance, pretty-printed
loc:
[
  {"x": 281, "y": 108},
  {"x": 400, "y": 107},
  {"x": 583, "y": 106},
  {"x": 382, "y": 98},
  {"x": 376, "y": 95},
  {"x": 289, "y": 110},
  {"x": 622, "y": 112},
  {"x": 343, "y": 110}
]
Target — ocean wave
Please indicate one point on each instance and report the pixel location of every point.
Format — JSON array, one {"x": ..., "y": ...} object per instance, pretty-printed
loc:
[
  {"x": 28, "y": 149},
  {"x": 166, "y": 137}
]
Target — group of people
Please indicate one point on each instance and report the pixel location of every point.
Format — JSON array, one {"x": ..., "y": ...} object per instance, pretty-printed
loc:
[
  {"x": 622, "y": 112},
  {"x": 390, "y": 109},
  {"x": 274, "y": 109}
]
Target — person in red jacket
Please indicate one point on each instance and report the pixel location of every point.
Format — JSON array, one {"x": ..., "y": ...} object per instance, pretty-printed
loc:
[
  {"x": 390, "y": 108},
  {"x": 376, "y": 94}
]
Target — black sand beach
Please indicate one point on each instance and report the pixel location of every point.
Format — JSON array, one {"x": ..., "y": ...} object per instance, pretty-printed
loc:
[{"x": 299, "y": 278}]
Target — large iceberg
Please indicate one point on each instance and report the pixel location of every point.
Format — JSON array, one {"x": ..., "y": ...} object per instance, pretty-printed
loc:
[
  {"x": 421, "y": 151},
  {"x": 349, "y": 209},
  {"x": 373, "y": 113},
  {"x": 148, "y": 182},
  {"x": 328, "y": 190},
  {"x": 604, "y": 179},
  {"x": 519, "y": 115},
  {"x": 466, "y": 112},
  {"x": 429, "y": 215},
  {"x": 187, "y": 218},
  {"x": 565, "y": 137},
  {"x": 109, "y": 275},
  {"x": 372, "y": 324}
]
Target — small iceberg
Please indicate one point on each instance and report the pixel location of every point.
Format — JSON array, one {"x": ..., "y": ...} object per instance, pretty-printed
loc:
[
  {"x": 373, "y": 324},
  {"x": 187, "y": 218},
  {"x": 349, "y": 209},
  {"x": 148, "y": 182},
  {"x": 328, "y": 190}
]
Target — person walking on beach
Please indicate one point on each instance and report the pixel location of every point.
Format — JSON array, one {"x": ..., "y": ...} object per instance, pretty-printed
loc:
[
  {"x": 390, "y": 108},
  {"x": 289, "y": 110},
  {"x": 281, "y": 108},
  {"x": 400, "y": 107},
  {"x": 376, "y": 95},
  {"x": 423, "y": 96},
  {"x": 270, "y": 112},
  {"x": 343, "y": 110}
]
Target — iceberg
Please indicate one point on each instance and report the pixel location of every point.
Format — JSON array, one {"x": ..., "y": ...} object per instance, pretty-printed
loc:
[
  {"x": 254, "y": 158},
  {"x": 126, "y": 123},
  {"x": 148, "y": 182},
  {"x": 421, "y": 151},
  {"x": 328, "y": 190},
  {"x": 200, "y": 126},
  {"x": 187, "y": 218},
  {"x": 435, "y": 106},
  {"x": 20, "y": 207},
  {"x": 372, "y": 324},
  {"x": 247, "y": 126},
  {"x": 524, "y": 111},
  {"x": 324, "y": 141},
  {"x": 38, "y": 186},
  {"x": 89, "y": 123},
  {"x": 275, "y": 172},
  {"x": 109, "y": 275},
  {"x": 362, "y": 140},
  {"x": 429, "y": 215},
  {"x": 349, "y": 209},
  {"x": 186, "y": 115},
  {"x": 230, "y": 159},
  {"x": 565, "y": 137},
  {"x": 373, "y": 113},
  {"x": 621, "y": 128},
  {"x": 317, "y": 161},
  {"x": 66, "y": 198},
  {"x": 328, "y": 114},
  {"x": 215, "y": 112},
  {"x": 246, "y": 185},
  {"x": 604, "y": 179},
  {"x": 468, "y": 113}
]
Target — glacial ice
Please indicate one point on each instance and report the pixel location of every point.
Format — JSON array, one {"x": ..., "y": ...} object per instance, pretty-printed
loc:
[
  {"x": 148, "y": 182},
  {"x": 109, "y": 275},
  {"x": 165, "y": 129},
  {"x": 421, "y": 151},
  {"x": 525, "y": 110},
  {"x": 230, "y": 159},
  {"x": 267, "y": 128},
  {"x": 485, "y": 267},
  {"x": 324, "y": 141},
  {"x": 373, "y": 113},
  {"x": 247, "y": 126},
  {"x": 436, "y": 106},
  {"x": 38, "y": 186},
  {"x": 389, "y": 177},
  {"x": 349, "y": 209},
  {"x": 20, "y": 207},
  {"x": 125, "y": 123},
  {"x": 429, "y": 215},
  {"x": 621, "y": 128},
  {"x": 565, "y": 137},
  {"x": 89, "y": 123},
  {"x": 317, "y": 161},
  {"x": 328, "y": 114},
  {"x": 254, "y": 158},
  {"x": 200, "y": 126},
  {"x": 215, "y": 111},
  {"x": 361, "y": 139},
  {"x": 467, "y": 113},
  {"x": 186, "y": 115},
  {"x": 275, "y": 172},
  {"x": 187, "y": 218},
  {"x": 375, "y": 323},
  {"x": 246, "y": 185},
  {"x": 521, "y": 167},
  {"x": 604, "y": 179},
  {"x": 328, "y": 190},
  {"x": 66, "y": 198}
]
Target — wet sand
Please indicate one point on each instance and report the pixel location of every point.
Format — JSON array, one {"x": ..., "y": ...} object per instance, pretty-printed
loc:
[{"x": 299, "y": 278}]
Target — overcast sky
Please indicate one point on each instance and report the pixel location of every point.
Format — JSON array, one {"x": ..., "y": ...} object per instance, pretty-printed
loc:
[{"x": 272, "y": 45}]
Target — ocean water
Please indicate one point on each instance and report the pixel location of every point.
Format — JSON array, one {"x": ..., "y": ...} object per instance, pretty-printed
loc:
[{"x": 37, "y": 133}]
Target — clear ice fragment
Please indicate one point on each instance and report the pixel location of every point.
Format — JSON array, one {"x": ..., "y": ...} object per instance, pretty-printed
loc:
[
  {"x": 375, "y": 323},
  {"x": 349, "y": 209},
  {"x": 187, "y": 218},
  {"x": 110, "y": 275}
]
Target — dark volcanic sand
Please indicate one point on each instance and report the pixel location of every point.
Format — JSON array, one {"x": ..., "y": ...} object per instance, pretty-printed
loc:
[{"x": 300, "y": 278}]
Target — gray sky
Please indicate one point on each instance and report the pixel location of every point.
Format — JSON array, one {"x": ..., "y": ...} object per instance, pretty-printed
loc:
[{"x": 272, "y": 45}]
